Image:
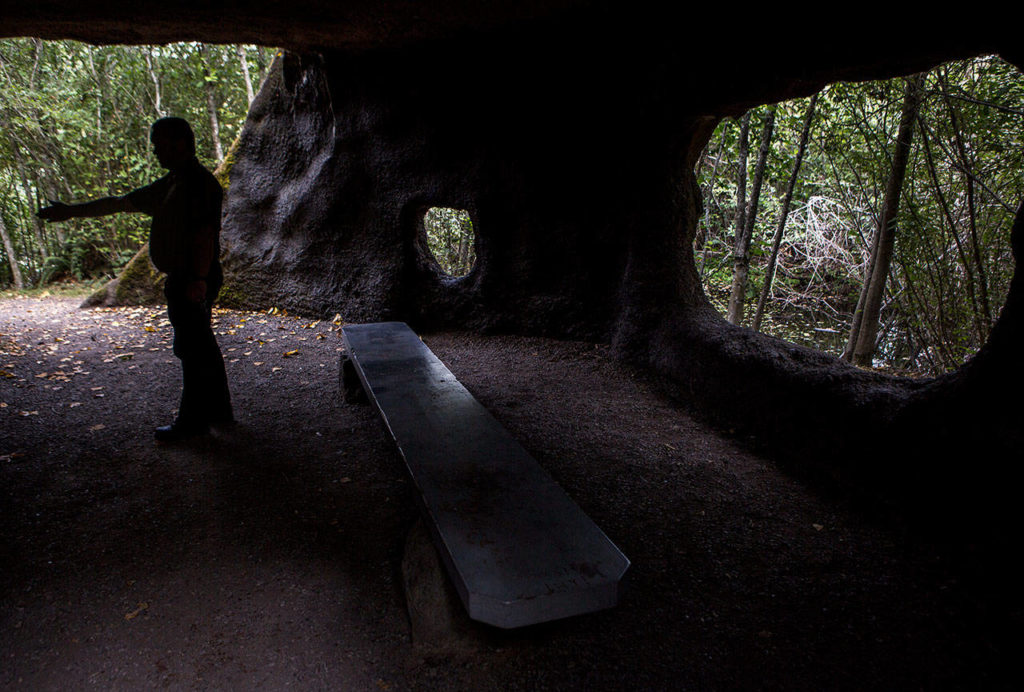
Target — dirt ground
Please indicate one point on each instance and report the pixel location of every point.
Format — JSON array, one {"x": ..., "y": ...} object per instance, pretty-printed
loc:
[{"x": 266, "y": 556}]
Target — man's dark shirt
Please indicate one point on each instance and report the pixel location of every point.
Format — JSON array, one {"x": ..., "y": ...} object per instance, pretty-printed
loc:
[{"x": 185, "y": 205}]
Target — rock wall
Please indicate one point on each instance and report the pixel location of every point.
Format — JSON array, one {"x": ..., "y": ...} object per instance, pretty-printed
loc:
[
  {"x": 571, "y": 144},
  {"x": 568, "y": 129}
]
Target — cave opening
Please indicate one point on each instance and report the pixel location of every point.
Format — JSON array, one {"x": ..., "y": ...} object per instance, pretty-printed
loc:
[
  {"x": 451, "y": 238},
  {"x": 952, "y": 262},
  {"x": 74, "y": 125}
]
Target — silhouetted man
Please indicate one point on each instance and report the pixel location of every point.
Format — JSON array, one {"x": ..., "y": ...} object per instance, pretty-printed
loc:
[{"x": 184, "y": 243}]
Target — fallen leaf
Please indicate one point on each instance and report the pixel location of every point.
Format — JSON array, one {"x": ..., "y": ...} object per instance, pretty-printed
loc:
[
  {"x": 817, "y": 527},
  {"x": 98, "y": 426},
  {"x": 132, "y": 615},
  {"x": 288, "y": 354}
]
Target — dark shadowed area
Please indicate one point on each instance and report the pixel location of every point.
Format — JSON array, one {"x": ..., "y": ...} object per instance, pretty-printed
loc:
[{"x": 267, "y": 555}]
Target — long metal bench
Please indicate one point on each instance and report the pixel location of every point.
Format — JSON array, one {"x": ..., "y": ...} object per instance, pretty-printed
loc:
[{"x": 518, "y": 550}]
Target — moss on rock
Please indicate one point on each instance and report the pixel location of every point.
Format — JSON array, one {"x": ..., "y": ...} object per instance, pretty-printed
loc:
[
  {"x": 233, "y": 295},
  {"x": 140, "y": 283}
]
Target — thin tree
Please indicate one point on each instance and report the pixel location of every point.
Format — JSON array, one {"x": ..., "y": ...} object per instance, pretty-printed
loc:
[
  {"x": 947, "y": 213},
  {"x": 211, "y": 103},
  {"x": 151, "y": 67},
  {"x": 769, "y": 273},
  {"x": 12, "y": 259},
  {"x": 861, "y": 344},
  {"x": 966, "y": 167},
  {"x": 741, "y": 251},
  {"x": 244, "y": 63},
  {"x": 42, "y": 247},
  {"x": 709, "y": 191},
  {"x": 741, "y": 178}
]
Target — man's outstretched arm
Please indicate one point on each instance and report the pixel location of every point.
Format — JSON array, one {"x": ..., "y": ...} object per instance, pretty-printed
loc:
[{"x": 58, "y": 211}]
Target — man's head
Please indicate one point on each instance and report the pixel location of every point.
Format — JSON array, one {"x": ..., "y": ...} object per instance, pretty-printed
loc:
[{"x": 173, "y": 142}]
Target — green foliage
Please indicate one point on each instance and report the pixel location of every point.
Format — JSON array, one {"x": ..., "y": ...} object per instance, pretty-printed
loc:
[
  {"x": 74, "y": 125},
  {"x": 952, "y": 258},
  {"x": 450, "y": 238},
  {"x": 54, "y": 268}
]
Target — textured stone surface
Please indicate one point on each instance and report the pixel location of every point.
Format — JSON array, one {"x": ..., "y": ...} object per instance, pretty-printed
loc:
[
  {"x": 353, "y": 24},
  {"x": 575, "y": 163},
  {"x": 140, "y": 283},
  {"x": 568, "y": 131},
  {"x": 438, "y": 621}
]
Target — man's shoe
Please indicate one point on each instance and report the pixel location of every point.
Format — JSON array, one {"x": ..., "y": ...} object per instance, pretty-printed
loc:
[{"x": 178, "y": 431}]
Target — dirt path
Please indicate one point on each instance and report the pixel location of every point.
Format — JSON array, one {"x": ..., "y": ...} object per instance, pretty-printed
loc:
[{"x": 266, "y": 556}]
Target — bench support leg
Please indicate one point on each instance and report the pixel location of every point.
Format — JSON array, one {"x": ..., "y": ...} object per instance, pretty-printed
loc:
[
  {"x": 438, "y": 620},
  {"x": 350, "y": 382}
]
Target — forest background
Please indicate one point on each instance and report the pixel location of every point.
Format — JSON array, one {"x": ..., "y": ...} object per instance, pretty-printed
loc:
[{"x": 794, "y": 193}]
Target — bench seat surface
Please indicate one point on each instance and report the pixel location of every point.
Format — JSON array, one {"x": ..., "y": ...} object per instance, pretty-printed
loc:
[{"x": 519, "y": 550}]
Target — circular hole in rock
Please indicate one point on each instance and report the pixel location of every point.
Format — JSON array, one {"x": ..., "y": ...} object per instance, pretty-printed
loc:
[{"x": 451, "y": 239}]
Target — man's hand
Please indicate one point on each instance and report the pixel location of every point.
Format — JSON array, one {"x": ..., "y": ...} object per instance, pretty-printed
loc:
[
  {"x": 57, "y": 211},
  {"x": 196, "y": 291}
]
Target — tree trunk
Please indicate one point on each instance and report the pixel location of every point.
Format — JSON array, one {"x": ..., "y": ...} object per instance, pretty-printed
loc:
[
  {"x": 741, "y": 186},
  {"x": 709, "y": 195},
  {"x": 741, "y": 253},
  {"x": 965, "y": 161},
  {"x": 769, "y": 273},
  {"x": 37, "y": 226},
  {"x": 245, "y": 73},
  {"x": 261, "y": 66},
  {"x": 158, "y": 105},
  {"x": 886, "y": 232},
  {"x": 211, "y": 105},
  {"x": 37, "y": 54},
  {"x": 11, "y": 257},
  {"x": 979, "y": 326}
]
